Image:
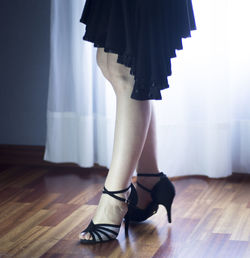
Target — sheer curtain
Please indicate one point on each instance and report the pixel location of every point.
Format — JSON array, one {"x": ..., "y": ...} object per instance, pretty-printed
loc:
[{"x": 203, "y": 121}]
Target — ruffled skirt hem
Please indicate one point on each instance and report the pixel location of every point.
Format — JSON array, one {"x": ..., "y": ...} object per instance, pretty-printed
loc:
[{"x": 145, "y": 35}]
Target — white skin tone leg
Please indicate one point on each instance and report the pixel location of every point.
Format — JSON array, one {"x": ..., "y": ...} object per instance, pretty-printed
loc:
[
  {"x": 134, "y": 142},
  {"x": 147, "y": 163}
]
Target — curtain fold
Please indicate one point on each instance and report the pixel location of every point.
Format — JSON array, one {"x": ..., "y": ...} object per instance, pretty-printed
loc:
[
  {"x": 203, "y": 121},
  {"x": 76, "y": 107}
]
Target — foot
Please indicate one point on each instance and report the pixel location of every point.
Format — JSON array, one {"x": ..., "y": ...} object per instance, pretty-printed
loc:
[
  {"x": 110, "y": 211},
  {"x": 144, "y": 197}
]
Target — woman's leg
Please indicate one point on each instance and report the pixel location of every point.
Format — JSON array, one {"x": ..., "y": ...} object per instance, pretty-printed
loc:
[
  {"x": 131, "y": 126},
  {"x": 147, "y": 163}
]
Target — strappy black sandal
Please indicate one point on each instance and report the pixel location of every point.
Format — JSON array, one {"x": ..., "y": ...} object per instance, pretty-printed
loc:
[
  {"x": 106, "y": 232},
  {"x": 162, "y": 193}
]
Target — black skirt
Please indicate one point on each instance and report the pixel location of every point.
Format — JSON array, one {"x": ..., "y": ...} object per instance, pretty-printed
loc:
[{"x": 144, "y": 33}]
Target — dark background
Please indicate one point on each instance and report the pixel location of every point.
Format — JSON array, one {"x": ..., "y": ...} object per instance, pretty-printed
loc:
[{"x": 24, "y": 70}]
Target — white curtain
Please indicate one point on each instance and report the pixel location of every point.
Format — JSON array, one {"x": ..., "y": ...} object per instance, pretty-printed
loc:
[{"x": 203, "y": 121}]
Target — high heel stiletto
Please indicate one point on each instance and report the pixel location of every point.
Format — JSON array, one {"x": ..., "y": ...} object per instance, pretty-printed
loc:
[
  {"x": 106, "y": 232},
  {"x": 163, "y": 193}
]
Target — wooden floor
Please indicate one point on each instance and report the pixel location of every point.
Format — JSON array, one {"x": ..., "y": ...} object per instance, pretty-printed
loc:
[{"x": 43, "y": 209}]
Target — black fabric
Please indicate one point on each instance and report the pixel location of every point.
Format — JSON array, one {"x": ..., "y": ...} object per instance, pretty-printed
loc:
[{"x": 144, "y": 33}]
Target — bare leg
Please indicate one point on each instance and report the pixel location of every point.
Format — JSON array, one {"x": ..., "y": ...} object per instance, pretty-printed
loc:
[
  {"x": 148, "y": 163},
  {"x": 132, "y": 123},
  {"x": 148, "y": 159}
]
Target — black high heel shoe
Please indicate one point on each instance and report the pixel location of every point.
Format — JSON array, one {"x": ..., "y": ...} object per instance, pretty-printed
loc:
[
  {"x": 106, "y": 232},
  {"x": 163, "y": 193}
]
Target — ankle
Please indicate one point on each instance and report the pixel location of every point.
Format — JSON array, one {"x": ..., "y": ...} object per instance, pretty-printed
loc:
[
  {"x": 109, "y": 210},
  {"x": 113, "y": 184},
  {"x": 113, "y": 190},
  {"x": 149, "y": 170},
  {"x": 148, "y": 181}
]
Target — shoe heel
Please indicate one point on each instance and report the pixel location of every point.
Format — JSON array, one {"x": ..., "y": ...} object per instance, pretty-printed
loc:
[
  {"x": 164, "y": 194},
  {"x": 126, "y": 225},
  {"x": 168, "y": 209},
  {"x": 167, "y": 204}
]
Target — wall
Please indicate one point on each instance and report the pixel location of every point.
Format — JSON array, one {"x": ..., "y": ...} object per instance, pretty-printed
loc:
[{"x": 24, "y": 70}]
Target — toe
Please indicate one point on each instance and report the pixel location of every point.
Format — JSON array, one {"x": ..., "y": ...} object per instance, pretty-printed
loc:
[
  {"x": 88, "y": 236},
  {"x": 85, "y": 236}
]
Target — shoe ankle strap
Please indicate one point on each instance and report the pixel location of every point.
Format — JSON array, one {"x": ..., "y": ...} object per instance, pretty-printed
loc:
[
  {"x": 148, "y": 175},
  {"x": 151, "y": 175},
  {"x": 112, "y": 193},
  {"x": 143, "y": 187}
]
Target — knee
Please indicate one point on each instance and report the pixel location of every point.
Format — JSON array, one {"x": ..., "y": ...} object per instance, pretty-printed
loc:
[
  {"x": 121, "y": 83},
  {"x": 119, "y": 76}
]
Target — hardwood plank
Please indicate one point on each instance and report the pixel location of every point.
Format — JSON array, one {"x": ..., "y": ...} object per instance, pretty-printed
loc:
[
  {"x": 27, "y": 239},
  {"x": 9, "y": 176},
  {"x": 242, "y": 225},
  {"x": 34, "y": 174},
  {"x": 10, "y": 194},
  {"x": 206, "y": 224},
  {"x": 8, "y": 210},
  {"x": 52, "y": 236},
  {"x": 227, "y": 222},
  {"x": 61, "y": 212},
  {"x": 87, "y": 194},
  {"x": 23, "y": 227}
]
